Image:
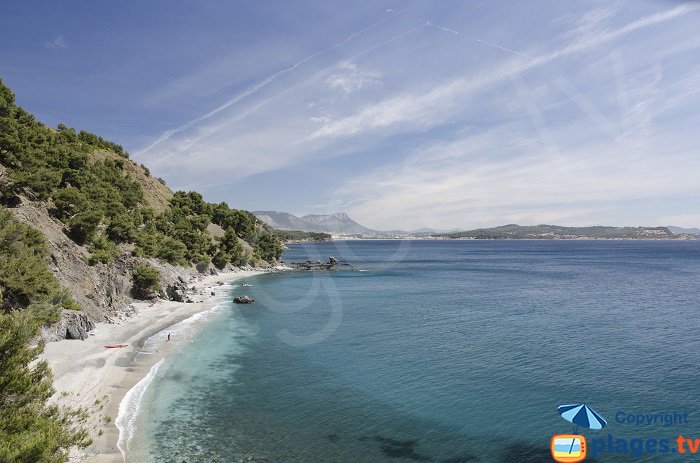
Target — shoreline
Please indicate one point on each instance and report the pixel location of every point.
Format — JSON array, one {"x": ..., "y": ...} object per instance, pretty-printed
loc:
[{"x": 96, "y": 379}]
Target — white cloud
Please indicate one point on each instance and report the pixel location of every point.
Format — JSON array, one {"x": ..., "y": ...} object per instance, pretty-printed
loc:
[
  {"x": 591, "y": 22},
  {"x": 348, "y": 78},
  {"x": 254, "y": 89},
  {"x": 430, "y": 107},
  {"x": 57, "y": 43},
  {"x": 564, "y": 143},
  {"x": 456, "y": 185}
]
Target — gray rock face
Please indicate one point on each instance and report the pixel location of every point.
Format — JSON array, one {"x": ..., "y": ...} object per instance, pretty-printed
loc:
[
  {"x": 243, "y": 300},
  {"x": 73, "y": 325},
  {"x": 176, "y": 292},
  {"x": 331, "y": 223},
  {"x": 103, "y": 291}
]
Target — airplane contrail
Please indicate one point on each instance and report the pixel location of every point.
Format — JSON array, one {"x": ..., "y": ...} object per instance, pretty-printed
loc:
[
  {"x": 448, "y": 30},
  {"x": 386, "y": 42},
  {"x": 257, "y": 87},
  {"x": 250, "y": 111},
  {"x": 503, "y": 48},
  {"x": 451, "y": 31}
]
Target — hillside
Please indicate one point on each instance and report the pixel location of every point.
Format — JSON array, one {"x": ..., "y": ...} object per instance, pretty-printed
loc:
[
  {"x": 285, "y": 221},
  {"x": 335, "y": 224},
  {"x": 684, "y": 231},
  {"x": 550, "y": 232},
  {"x": 95, "y": 218},
  {"x": 339, "y": 223}
]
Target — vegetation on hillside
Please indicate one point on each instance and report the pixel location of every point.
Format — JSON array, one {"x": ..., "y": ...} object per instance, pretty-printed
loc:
[
  {"x": 31, "y": 431},
  {"x": 293, "y": 235},
  {"x": 26, "y": 282},
  {"x": 88, "y": 183},
  {"x": 103, "y": 206},
  {"x": 146, "y": 280},
  {"x": 91, "y": 186},
  {"x": 513, "y": 231}
]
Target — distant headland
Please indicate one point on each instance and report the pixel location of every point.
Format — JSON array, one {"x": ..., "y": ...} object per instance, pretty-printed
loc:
[{"x": 341, "y": 226}]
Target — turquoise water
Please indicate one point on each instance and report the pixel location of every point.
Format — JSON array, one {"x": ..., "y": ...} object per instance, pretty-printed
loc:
[{"x": 445, "y": 351}]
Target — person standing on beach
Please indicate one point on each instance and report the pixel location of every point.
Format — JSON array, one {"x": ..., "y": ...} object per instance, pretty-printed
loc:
[{"x": 168, "y": 338}]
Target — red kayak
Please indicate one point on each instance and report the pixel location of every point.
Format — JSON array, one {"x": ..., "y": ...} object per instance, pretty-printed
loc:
[{"x": 116, "y": 346}]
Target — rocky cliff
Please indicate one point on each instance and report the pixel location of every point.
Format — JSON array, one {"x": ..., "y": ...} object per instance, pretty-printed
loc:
[
  {"x": 104, "y": 225},
  {"x": 103, "y": 291}
]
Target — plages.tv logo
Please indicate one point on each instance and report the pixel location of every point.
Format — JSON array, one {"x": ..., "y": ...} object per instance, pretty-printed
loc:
[{"x": 571, "y": 448}]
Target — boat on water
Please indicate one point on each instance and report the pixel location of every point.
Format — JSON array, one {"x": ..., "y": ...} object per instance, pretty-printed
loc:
[{"x": 246, "y": 285}]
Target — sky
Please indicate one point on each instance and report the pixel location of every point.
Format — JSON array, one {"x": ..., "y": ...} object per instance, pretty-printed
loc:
[{"x": 404, "y": 114}]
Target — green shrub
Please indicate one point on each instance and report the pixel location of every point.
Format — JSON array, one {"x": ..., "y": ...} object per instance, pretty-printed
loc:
[
  {"x": 146, "y": 280},
  {"x": 172, "y": 251},
  {"x": 102, "y": 250},
  {"x": 69, "y": 202},
  {"x": 268, "y": 247},
  {"x": 26, "y": 282},
  {"x": 220, "y": 259},
  {"x": 121, "y": 228},
  {"x": 82, "y": 227}
]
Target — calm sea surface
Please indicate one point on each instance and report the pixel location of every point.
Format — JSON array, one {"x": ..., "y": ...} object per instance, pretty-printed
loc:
[{"x": 444, "y": 351}]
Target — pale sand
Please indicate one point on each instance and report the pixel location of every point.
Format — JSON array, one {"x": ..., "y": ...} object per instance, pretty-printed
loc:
[{"x": 88, "y": 375}]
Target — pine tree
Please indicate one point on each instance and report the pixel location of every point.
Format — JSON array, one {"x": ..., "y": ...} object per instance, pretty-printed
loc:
[{"x": 31, "y": 431}]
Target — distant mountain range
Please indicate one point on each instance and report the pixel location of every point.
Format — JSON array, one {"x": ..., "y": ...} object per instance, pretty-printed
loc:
[
  {"x": 681, "y": 230},
  {"x": 341, "y": 224},
  {"x": 336, "y": 224},
  {"x": 550, "y": 232}
]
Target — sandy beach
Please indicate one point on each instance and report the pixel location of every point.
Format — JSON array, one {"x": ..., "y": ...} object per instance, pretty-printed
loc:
[{"x": 88, "y": 375}]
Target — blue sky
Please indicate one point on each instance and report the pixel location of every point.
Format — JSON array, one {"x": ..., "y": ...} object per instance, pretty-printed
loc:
[{"x": 404, "y": 114}]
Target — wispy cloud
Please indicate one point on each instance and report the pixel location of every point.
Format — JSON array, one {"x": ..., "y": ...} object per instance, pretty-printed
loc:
[
  {"x": 260, "y": 85},
  {"x": 349, "y": 77},
  {"x": 57, "y": 43},
  {"x": 431, "y": 107},
  {"x": 562, "y": 131},
  {"x": 455, "y": 184}
]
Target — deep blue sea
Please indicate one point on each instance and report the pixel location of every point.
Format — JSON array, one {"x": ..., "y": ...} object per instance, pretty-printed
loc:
[{"x": 443, "y": 351}]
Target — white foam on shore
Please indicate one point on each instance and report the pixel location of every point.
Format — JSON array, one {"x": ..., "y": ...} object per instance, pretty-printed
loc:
[
  {"x": 185, "y": 330},
  {"x": 181, "y": 333},
  {"x": 129, "y": 407}
]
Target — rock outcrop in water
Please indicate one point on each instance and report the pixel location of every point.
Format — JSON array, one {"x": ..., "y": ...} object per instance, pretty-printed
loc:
[
  {"x": 243, "y": 300},
  {"x": 315, "y": 265}
]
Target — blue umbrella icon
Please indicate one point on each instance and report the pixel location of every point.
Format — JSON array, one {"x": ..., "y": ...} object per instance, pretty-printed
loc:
[{"x": 581, "y": 415}]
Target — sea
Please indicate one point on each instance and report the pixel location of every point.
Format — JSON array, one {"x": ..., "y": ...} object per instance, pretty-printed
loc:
[{"x": 438, "y": 351}]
